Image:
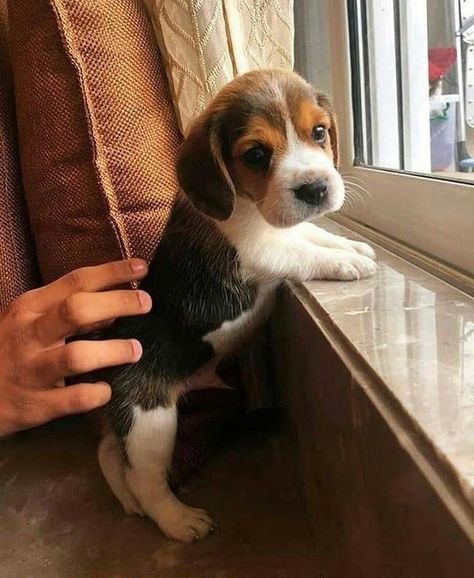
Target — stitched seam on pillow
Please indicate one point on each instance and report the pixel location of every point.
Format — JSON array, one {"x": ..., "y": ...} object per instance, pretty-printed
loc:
[{"x": 109, "y": 197}]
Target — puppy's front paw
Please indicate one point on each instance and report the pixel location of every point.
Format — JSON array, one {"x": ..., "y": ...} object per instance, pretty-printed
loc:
[
  {"x": 362, "y": 248},
  {"x": 183, "y": 523},
  {"x": 324, "y": 239},
  {"x": 350, "y": 266}
]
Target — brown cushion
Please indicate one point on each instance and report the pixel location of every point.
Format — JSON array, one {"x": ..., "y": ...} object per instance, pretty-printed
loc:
[
  {"x": 98, "y": 135},
  {"x": 17, "y": 258}
]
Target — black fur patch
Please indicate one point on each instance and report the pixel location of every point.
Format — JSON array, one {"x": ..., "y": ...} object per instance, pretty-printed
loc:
[
  {"x": 195, "y": 286},
  {"x": 234, "y": 122}
]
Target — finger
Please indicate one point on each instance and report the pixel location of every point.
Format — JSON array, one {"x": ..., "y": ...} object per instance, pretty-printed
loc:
[
  {"x": 53, "y": 403},
  {"x": 84, "y": 309},
  {"x": 84, "y": 356},
  {"x": 73, "y": 399},
  {"x": 87, "y": 279}
]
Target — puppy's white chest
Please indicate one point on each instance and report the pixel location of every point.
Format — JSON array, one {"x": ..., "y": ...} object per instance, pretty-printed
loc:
[{"x": 233, "y": 332}]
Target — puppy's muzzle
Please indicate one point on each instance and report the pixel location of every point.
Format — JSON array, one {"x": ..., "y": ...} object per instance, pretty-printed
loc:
[{"x": 313, "y": 194}]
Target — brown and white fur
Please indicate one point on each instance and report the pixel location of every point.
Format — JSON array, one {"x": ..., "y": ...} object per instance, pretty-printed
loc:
[{"x": 257, "y": 167}]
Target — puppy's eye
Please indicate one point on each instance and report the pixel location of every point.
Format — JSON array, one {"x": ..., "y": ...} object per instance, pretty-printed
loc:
[
  {"x": 319, "y": 134},
  {"x": 257, "y": 156}
]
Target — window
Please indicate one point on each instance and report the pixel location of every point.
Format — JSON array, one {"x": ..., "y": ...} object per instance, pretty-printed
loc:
[
  {"x": 401, "y": 76},
  {"x": 412, "y": 78}
]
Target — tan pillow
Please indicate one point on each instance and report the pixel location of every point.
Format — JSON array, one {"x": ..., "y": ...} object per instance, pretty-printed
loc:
[
  {"x": 17, "y": 258},
  {"x": 97, "y": 131}
]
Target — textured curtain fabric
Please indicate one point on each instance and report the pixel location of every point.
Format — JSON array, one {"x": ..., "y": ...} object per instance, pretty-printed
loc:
[{"x": 206, "y": 43}]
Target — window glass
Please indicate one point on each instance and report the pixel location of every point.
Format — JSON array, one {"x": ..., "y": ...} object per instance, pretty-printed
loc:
[{"x": 413, "y": 85}]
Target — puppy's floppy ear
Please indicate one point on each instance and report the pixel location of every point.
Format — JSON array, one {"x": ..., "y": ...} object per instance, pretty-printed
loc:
[{"x": 202, "y": 173}]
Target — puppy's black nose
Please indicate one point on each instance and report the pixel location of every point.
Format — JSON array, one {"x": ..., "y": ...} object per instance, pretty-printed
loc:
[{"x": 313, "y": 193}]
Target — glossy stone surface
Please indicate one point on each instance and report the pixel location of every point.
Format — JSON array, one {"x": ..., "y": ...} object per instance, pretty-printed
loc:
[{"x": 417, "y": 333}]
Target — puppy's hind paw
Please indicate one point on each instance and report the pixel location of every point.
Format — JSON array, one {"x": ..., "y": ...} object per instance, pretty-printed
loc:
[
  {"x": 184, "y": 523},
  {"x": 131, "y": 506}
]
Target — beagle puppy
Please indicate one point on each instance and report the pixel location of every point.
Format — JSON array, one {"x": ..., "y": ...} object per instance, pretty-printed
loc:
[{"x": 257, "y": 167}]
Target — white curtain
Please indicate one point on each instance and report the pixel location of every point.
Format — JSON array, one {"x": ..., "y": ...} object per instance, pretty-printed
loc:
[{"x": 205, "y": 43}]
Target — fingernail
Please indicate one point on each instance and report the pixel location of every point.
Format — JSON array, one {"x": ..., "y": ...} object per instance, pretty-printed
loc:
[
  {"x": 138, "y": 266},
  {"x": 105, "y": 393},
  {"x": 137, "y": 349},
  {"x": 145, "y": 300}
]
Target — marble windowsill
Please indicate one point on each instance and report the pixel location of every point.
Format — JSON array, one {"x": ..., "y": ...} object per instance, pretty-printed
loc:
[{"x": 416, "y": 333}]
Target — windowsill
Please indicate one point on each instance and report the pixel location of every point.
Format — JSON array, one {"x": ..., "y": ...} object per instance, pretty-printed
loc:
[
  {"x": 454, "y": 175},
  {"x": 417, "y": 333},
  {"x": 407, "y": 340}
]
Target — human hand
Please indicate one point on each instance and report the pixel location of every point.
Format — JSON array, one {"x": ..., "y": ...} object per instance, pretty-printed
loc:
[{"x": 35, "y": 358}]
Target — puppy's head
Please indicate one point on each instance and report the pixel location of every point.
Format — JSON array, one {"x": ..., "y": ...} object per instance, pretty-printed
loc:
[{"x": 270, "y": 137}]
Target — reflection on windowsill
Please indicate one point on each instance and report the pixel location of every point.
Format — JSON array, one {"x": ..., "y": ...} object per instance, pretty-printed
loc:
[
  {"x": 458, "y": 175},
  {"x": 417, "y": 332}
]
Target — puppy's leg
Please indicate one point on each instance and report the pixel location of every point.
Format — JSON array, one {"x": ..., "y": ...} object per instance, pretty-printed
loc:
[
  {"x": 113, "y": 467},
  {"x": 288, "y": 255},
  {"x": 325, "y": 239},
  {"x": 206, "y": 377},
  {"x": 149, "y": 446}
]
